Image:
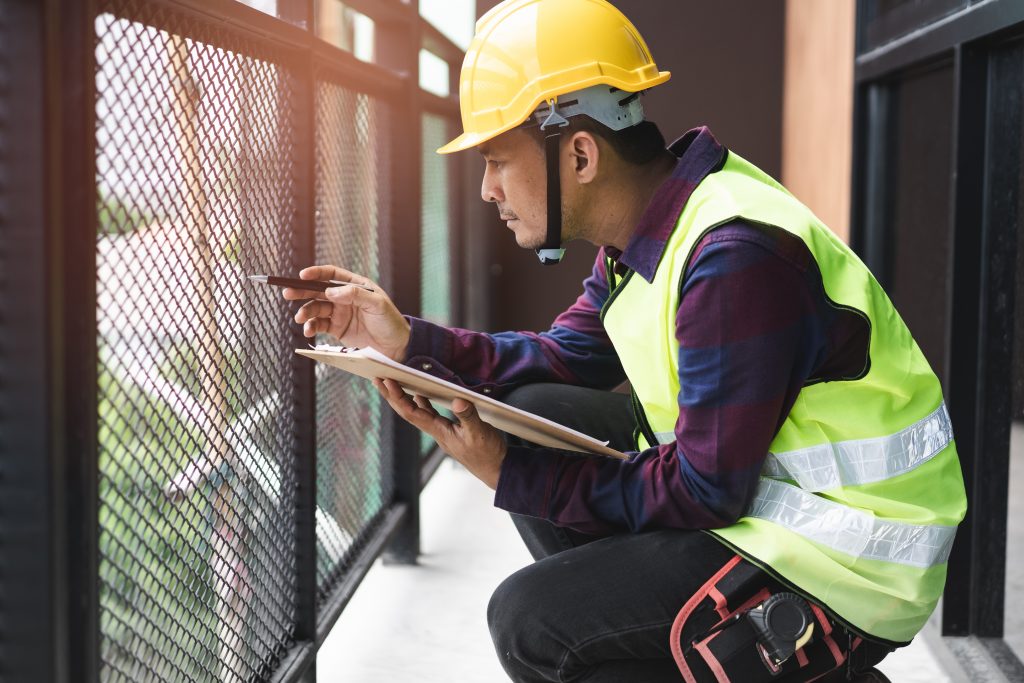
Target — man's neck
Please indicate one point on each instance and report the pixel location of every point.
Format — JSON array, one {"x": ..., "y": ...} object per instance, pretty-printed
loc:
[{"x": 621, "y": 202}]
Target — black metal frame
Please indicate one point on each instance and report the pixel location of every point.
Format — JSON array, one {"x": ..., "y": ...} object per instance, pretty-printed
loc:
[
  {"x": 979, "y": 364},
  {"x": 400, "y": 43},
  {"x": 49, "y": 487},
  {"x": 34, "y": 530}
]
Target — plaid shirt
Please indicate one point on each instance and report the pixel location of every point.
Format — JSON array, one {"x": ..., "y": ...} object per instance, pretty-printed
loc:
[{"x": 753, "y": 326}]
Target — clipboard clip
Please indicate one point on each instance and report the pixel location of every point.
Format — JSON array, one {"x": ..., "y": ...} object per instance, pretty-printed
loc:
[{"x": 332, "y": 347}]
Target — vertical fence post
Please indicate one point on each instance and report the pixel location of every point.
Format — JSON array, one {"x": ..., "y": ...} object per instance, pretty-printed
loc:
[
  {"x": 301, "y": 13},
  {"x": 398, "y": 48},
  {"x": 33, "y": 611},
  {"x": 964, "y": 384},
  {"x": 76, "y": 90}
]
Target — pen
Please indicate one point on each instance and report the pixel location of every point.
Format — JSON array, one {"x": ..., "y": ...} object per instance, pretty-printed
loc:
[{"x": 312, "y": 285}]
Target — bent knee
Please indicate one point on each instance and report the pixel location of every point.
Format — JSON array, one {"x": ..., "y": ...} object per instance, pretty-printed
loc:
[
  {"x": 505, "y": 609},
  {"x": 533, "y": 398},
  {"x": 523, "y": 643}
]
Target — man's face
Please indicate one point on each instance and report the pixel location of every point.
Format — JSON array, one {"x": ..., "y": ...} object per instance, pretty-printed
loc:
[{"x": 515, "y": 179}]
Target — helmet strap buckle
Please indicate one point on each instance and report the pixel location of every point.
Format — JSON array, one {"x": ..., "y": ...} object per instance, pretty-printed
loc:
[
  {"x": 551, "y": 251},
  {"x": 554, "y": 119}
]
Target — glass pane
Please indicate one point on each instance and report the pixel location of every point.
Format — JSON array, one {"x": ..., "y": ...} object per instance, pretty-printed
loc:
[
  {"x": 433, "y": 74},
  {"x": 346, "y": 28},
  {"x": 886, "y": 20},
  {"x": 1005, "y": 205},
  {"x": 922, "y": 117},
  {"x": 265, "y": 6},
  {"x": 454, "y": 18}
]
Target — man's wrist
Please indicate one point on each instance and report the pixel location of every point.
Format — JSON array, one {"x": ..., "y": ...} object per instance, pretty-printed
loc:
[{"x": 401, "y": 352}]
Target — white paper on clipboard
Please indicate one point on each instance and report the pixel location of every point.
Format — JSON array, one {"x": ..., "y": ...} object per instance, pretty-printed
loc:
[{"x": 370, "y": 364}]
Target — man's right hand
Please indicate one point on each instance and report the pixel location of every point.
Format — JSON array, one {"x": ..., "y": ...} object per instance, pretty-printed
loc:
[{"x": 355, "y": 316}]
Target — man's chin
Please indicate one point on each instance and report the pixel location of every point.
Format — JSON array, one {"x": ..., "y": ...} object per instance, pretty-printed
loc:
[{"x": 527, "y": 242}]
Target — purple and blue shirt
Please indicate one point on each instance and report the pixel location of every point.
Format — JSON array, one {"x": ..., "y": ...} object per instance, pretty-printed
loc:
[{"x": 754, "y": 326}]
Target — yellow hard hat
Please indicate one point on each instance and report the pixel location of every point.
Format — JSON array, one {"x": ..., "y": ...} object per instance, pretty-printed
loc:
[{"x": 527, "y": 52}]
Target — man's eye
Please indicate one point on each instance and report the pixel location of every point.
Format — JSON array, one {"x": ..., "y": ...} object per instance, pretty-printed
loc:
[{"x": 494, "y": 163}]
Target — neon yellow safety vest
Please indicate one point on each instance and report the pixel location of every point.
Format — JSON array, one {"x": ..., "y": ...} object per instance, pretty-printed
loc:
[{"x": 862, "y": 491}]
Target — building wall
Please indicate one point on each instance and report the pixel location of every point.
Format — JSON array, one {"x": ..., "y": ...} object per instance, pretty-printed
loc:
[{"x": 817, "y": 107}]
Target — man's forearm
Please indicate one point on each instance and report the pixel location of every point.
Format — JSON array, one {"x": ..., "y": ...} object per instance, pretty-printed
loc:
[{"x": 494, "y": 364}]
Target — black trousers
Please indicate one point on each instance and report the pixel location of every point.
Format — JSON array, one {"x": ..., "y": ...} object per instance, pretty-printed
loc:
[{"x": 598, "y": 609}]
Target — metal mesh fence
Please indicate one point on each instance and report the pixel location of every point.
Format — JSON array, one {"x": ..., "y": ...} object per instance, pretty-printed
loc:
[
  {"x": 436, "y": 253},
  {"x": 196, "y": 152},
  {"x": 436, "y": 266},
  {"x": 354, "y": 463}
]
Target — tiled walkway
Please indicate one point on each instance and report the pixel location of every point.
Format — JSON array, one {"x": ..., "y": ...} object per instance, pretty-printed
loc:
[{"x": 427, "y": 623}]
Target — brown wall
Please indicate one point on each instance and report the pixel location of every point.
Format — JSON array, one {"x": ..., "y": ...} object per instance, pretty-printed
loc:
[
  {"x": 726, "y": 59},
  {"x": 817, "y": 132}
]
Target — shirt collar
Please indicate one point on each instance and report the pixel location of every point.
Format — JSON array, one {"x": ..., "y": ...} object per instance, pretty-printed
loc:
[{"x": 699, "y": 154}]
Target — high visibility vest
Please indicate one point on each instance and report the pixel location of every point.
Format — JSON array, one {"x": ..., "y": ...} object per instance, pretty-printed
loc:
[{"x": 861, "y": 493}]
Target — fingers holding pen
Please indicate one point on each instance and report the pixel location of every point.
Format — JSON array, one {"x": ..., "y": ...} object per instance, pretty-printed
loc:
[
  {"x": 336, "y": 273},
  {"x": 371, "y": 302},
  {"x": 322, "y": 273},
  {"x": 316, "y": 317},
  {"x": 292, "y": 294},
  {"x": 313, "y": 310},
  {"x": 316, "y": 326}
]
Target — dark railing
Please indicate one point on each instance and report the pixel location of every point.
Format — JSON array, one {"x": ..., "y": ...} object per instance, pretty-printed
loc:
[
  {"x": 185, "y": 498},
  {"x": 937, "y": 169}
]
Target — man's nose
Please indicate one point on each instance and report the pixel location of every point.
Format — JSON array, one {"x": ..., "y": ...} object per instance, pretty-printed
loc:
[{"x": 490, "y": 190}]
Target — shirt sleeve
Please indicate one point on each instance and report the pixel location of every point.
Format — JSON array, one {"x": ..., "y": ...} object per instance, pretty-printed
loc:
[
  {"x": 575, "y": 350},
  {"x": 751, "y": 327}
]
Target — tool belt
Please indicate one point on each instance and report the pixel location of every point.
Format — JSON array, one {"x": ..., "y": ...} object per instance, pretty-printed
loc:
[{"x": 742, "y": 626}]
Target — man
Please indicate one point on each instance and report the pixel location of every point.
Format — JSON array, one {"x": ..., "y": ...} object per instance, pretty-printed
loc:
[{"x": 792, "y": 487}]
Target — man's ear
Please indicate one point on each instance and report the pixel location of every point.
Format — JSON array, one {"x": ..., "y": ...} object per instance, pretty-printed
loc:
[{"x": 586, "y": 156}]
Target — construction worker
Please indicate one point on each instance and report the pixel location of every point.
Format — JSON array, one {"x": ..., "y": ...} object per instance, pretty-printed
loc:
[{"x": 792, "y": 488}]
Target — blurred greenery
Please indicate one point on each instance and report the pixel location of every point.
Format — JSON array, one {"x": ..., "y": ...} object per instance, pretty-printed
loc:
[
  {"x": 186, "y": 365},
  {"x": 118, "y": 216},
  {"x": 157, "y": 588},
  {"x": 156, "y": 592}
]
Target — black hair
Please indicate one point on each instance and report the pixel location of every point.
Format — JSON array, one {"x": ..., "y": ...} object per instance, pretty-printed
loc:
[{"x": 636, "y": 145}]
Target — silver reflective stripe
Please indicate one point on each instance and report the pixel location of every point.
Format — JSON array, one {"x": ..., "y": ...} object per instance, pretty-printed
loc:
[
  {"x": 848, "y": 530},
  {"x": 665, "y": 437},
  {"x": 862, "y": 461}
]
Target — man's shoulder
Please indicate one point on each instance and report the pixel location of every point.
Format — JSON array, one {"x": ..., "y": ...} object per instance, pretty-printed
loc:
[{"x": 745, "y": 239}]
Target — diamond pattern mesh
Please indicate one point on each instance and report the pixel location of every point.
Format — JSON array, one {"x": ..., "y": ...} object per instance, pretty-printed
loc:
[
  {"x": 354, "y": 462},
  {"x": 436, "y": 250},
  {"x": 195, "y": 190},
  {"x": 436, "y": 260}
]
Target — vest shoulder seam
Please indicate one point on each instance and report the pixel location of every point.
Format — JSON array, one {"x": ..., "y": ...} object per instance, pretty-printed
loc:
[{"x": 756, "y": 239}]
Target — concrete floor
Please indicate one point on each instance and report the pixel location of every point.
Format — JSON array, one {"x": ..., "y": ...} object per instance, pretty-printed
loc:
[
  {"x": 1014, "y": 621},
  {"x": 427, "y": 623}
]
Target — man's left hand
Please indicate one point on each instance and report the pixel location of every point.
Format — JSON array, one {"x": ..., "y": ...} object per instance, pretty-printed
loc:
[{"x": 470, "y": 440}]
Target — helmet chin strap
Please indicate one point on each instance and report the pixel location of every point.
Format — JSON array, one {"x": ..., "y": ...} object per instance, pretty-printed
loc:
[{"x": 551, "y": 252}]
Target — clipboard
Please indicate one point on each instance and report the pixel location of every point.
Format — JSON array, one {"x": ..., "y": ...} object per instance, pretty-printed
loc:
[{"x": 370, "y": 364}]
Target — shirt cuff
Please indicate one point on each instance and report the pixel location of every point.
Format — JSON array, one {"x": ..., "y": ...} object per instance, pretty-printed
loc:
[
  {"x": 526, "y": 479},
  {"x": 427, "y": 340}
]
